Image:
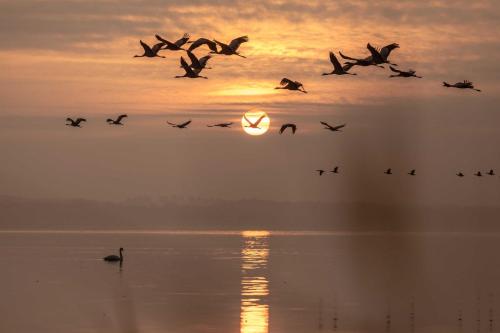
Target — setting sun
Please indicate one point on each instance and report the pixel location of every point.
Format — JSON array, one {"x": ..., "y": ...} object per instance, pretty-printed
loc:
[{"x": 255, "y": 122}]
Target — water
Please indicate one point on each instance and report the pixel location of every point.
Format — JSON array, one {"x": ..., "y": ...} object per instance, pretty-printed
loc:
[{"x": 248, "y": 282}]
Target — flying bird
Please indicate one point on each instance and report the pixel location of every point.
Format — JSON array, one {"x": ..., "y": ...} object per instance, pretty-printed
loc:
[
  {"x": 320, "y": 171},
  {"x": 460, "y": 174},
  {"x": 114, "y": 257},
  {"x": 332, "y": 128},
  {"x": 388, "y": 171},
  {"x": 368, "y": 61},
  {"x": 74, "y": 123},
  {"x": 221, "y": 125},
  {"x": 254, "y": 124},
  {"x": 198, "y": 64},
  {"x": 285, "y": 126},
  {"x": 408, "y": 73},
  {"x": 291, "y": 85},
  {"x": 150, "y": 52},
  {"x": 190, "y": 72},
  {"x": 337, "y": 67},
  {"x": 377, "y": 57},
  {"x": 116, "y": 121},
  {"x": 491, "y": 172},
  {"x": 203, "y": 41},
  {"x": 412, "y": 172},
  {"x": 233, "y": 46},
  {"x": 461, "y": 85},
  {"x": 478, "y": 174},
  {"x": 181, "y": 126},
  {"x": 335, "y": 170},
  {"x": 175, "y": 46}
]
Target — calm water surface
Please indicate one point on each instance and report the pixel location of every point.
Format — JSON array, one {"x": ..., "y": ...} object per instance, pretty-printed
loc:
[{"x": 249, "y": 282}]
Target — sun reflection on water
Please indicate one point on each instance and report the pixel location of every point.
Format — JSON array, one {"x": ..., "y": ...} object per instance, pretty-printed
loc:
[{"x": 254, "y": 316}]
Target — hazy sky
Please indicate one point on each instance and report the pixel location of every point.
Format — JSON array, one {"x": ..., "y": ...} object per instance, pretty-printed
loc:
[{"x": 75, "y": 58}]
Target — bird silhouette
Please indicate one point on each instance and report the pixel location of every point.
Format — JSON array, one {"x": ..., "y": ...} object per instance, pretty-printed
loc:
[
  {"x": 190, "y": 72},
  {"x": 221, "y": 125},
  {"x": 198, "y": 64},
  {"x": 460, "y": 174},
  {"x": 337, "y": 67},
  {"x": 116, "y": 121},
  {"x": 320, "y": 172},
  {"x": 114, "y": 257},
  {"x": 461, "y": 85},
  {"x": 291, "y": 85},
  {"x": 181, "y": 126},
  {"x": 332, "y": 128},
  {"x": 408, "y": 73},
  {"x": 368, "y": 61},
  {"x": 74, "y": 123},
  {"x": 377, "y": 57},
  {"x": 412, "y": 172},
  {"x": 233, "y": 46},
  {"x": 491, "y": 172},
  {"x": 285, "y": 126},
  {"x": 204, "y": 41},
  {"x": 175, "y": 46},
  {"x": 254, "y": 124},
  {"x": 150, "y": 52},
  {"x": 388, "y": 171},
  {"x": 478, "y": 174},
  {"x": 335, "y": 170}
]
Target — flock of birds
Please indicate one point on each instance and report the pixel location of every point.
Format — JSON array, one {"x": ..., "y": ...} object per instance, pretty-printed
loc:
[
  {"x": 412, "y": 172},
  {"x": 376, "y": 57}
]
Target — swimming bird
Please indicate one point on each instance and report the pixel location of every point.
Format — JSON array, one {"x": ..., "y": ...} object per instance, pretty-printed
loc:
[
  {"x": 332, "y": 128},
  {"x": 408, "y": 73},
  {"x": 478, "y": 174},
  {"x": 337, "y": 67},
  {"x": 221, "y": 125},
  {"x": 114, "y": 257},
  {"x": 181, "y": 126},
  {"x": 150, "y": 52},
  {"x": 291, "y": 85},
  {"x": 74, "y": 123},
  {"x": 461, "y": 85},
  {"x": 190, "y": 72},
  {"x": 320, "y": 171},
  {"x": 233, "y": 46},
  {"x": 255, "y": 124},
  {"x": 335, "y": 170},
  {"x": 491, "y": 172},
  {"x": 198, "y": 64},
  {"x": 412, "y": 172},
  {"x": 285, "y": 126},
  {"x": 460, "y": 174},
  {"x": 116, "y": 121},
  {"x": 175, "y": 46},
  {"x": 203, "y": 41},
  {"x": 388, "y": 171}
]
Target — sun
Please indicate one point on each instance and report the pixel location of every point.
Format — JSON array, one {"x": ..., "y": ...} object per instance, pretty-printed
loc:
[{"x": 253, "y": 124}]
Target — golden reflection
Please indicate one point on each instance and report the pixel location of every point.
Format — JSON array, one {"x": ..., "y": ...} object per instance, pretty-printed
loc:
[{"x": 254, "y": 316}]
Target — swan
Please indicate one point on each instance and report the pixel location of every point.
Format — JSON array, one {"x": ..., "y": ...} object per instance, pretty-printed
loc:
[{"x": 114, "y": 257}]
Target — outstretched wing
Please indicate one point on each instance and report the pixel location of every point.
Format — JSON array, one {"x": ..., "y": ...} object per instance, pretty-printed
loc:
[
  {"x": 182, "y": 40},
  {"x": 375, "y": 54},
  {"x": 194, "y": 61},
  {"x": 79, "y": 120},
  {"x": 386, "y": 50},
  {"x": 394, "y": 69},
  {"x": 157, "y": 47},
  {"x": 185, "y": 124},
  {"x": 235, "y": 43},
  {"x": 203, "y": 60},
  {"x": 336, "y": 64},
  {"x": 146, "y": 47},
  {"x": 346, "y": 57},
  {"x": 326, "y": 124},
  {"x": 338, "y": 127},
  {"x": 203, "y": 41},
  {"x": 259, "y": 120},
  {"x": 186, "y": 67},
  {"x": 171, "y": 124},
  {"x": 120, "y": 117},
  {"x": 284, "y": 81},
  {"x": 248, "y": 120},
  {"x": 161, "y": 39},
  {"x": 70, "y": 120},
  {"x": 283, "y": 128}
]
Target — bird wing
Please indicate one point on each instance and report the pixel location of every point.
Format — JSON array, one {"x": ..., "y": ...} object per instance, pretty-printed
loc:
[
  {"x": 346, "y": 57},
  {"x": 161, "y": 39},
  {"x": 326, "y": 124},
  {"x": 194, "y": 61},
  {"x": 336, "y": 64},
  {"x": 79, "y": 120},
  {"x": 202, "y": 41},
  {"x": 203, "y": 60},
  {"x": 284, "y": 81},
  {"x": 182, "y": 40},
  {"x": 186, "y": 67},
  {"x": 283, "y": 128},
  {"x": 338, "y": 127},
  {"x": 70, "y": 120},
  {"x": 294, "y": 128},
  {"x": 248, "y": 120},
  {"x": 120, "y": 117},
  {"x": 235, "y": 43},
  {"x": 145, "y": 47},
  {"x": 157, "y": 47},
  {"x": 394, "y": 69},
  {"x": 172, "y": 124},
  {"x": 386, "y": 50},
  {"x": 347, "y": 66},
  {"x": 185, "y": 124},
  {"x": 375, "y": 54},
  {"x": 259, "y": 120}
]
